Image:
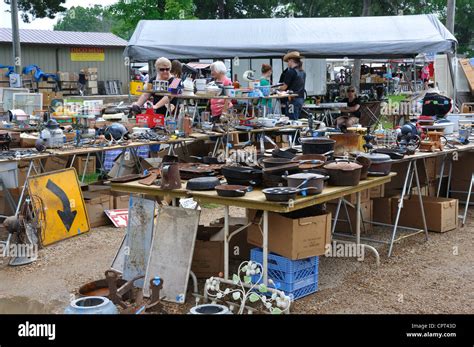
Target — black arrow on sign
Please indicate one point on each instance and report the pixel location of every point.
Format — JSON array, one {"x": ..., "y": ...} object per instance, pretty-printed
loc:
[{"x": 67, "y": 216}]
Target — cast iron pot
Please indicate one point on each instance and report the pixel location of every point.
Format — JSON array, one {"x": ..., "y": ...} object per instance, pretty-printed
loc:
[
  {"x": 394, "y": 154},
  {"x": 244, "y": 182},
  {"x": 231, "y": 191},
  {"x": 317, "y": 145},
  {"x": 270, "y": 180},
  {"x": 343, "y": 173},
  {"x": 381, "y": 164},
  {"x": 365, "y": 162},
  {"x": 273, "y": 162},
  {"x": 314, "y": 184},
  {"x": 203, "y": 183},
  {"x": 287, "y": 153}
]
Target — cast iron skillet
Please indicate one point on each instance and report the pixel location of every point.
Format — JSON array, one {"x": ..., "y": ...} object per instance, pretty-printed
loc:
[
  {"x": 231, "y": 191},
  {"x": 202, "y": 183}
]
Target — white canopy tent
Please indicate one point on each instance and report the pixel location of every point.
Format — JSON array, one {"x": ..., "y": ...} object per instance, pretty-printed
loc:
[{"x": 363, "y": 37}]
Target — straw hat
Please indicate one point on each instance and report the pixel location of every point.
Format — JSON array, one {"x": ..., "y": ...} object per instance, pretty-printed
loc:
[{"x": 292, "y": 55}]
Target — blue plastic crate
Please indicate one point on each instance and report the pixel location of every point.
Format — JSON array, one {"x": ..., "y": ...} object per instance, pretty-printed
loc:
[
  {"x": 288, "y": 275},
  {"x": 299, "y": 293}
]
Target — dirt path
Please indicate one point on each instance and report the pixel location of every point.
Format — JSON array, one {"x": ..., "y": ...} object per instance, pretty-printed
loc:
[{"x": 421, "y": 277}]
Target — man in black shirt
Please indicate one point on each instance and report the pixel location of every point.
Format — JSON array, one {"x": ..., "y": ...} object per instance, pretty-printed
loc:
[
  {"x": 293, "y": 79},
  {"x": 350, "y": 115},
  {"x": 81, "y": 83}
]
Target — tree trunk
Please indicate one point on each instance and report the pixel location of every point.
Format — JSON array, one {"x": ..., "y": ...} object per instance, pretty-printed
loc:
[
  {"x": 221, "y": 9},
  {"x": 357, "y": 62}
]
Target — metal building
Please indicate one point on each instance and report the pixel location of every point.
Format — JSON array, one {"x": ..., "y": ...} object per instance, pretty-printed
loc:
[{"x": 69, "y": 51}]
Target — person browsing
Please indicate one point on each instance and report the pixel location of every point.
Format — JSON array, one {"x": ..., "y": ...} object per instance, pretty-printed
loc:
[
  {"x": 219, "y": 106},
  {"x": 350, "y": 114},
  {"x": 293, "y": 79},
  {"x": 160, "y": 103}
]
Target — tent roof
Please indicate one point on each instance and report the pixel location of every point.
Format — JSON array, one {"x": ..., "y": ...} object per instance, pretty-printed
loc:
[{"x": 369, "y": 37}]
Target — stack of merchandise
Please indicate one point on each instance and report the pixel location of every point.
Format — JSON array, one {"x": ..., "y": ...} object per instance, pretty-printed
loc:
[{"x": 91, "y": 77}]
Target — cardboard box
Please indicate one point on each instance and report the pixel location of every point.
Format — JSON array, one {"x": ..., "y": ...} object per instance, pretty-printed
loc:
[
  {"x": 441, "y": 213},
  {"x": 121, "y": 202},
  {"x": 382, "y": 209},
  {"x": 91, "y": 84},
  {"x": 294, "y": 238},
  {"x": 93, "y": 91},
  {"x": 352, "y": 198},
  {"x": 96, "y": 203},
  {"x": 208, "y": 258},
  {"x": 343, "y": 225},
  {"x": 48, "y": 96},
  {"x": 377, "y": 192},
  {"x": 91, "y": 70},
  {"x": 55, "y": 163},
  {"x": 239, "y": 248},
  {"x": 80, "y": 165}
]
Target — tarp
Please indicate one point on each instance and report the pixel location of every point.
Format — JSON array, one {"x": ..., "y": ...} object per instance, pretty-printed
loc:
[{"x": 364, "y": 37}]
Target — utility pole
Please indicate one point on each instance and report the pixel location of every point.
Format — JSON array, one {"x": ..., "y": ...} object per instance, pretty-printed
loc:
[
  {"x": 452, "y": 61},
  {"x": 366, "y": 11},
  {"x": 451, "y": 13},
  {"x": 16, "y": 37}
]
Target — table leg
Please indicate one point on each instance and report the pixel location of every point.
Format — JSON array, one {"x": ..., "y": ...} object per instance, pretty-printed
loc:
[
  {"x": 358, "y": 224},
  {"x": 216, "y": 146},
  {"x": 336, "y": 216},
  {"x": 101, "y": 163},
  {"x": 420, "y": 200},
  {"x": 400, "y": 206},
  {"x": 449, "y": 178},
  {"x": 72, "y": 161},
  {"x": 30, "y": 167},
  {"x": 358, "y": 212},
  {"x": 468, "y": 199},
  {"x": 441, "y": 172},
  {"x": 265, "y": 247},
  {"x": 226, "y": 242},
  {"x": 85, "y": 167},
  {"x": 122, "y": 158}
]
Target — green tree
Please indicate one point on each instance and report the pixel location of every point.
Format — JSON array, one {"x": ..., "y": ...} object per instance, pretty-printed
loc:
[
  {"x": 91, "y": 19},
  {"x": 128, "y": 13},
  {"x": 179, "y": 9},
  {"x": 226, "y": 9},
  {"x": 31, "y": 9}
]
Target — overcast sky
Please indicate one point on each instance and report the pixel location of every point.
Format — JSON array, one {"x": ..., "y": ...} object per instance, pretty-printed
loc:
[{"x": 45, "y": 23}]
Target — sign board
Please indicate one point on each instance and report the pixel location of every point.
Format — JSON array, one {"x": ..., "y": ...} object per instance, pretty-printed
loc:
[
  {"x": 118, "y": 217},
  {"x": 87, "y": 54},
  {"x": 59, "y": 196}
]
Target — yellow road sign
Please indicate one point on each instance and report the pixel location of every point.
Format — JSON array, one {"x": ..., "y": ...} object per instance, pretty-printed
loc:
[{"x": 59, "y": 195}]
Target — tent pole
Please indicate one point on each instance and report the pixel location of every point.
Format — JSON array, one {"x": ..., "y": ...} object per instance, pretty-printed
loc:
[
  {"x": 414, "y": 74},
  {"x": 455, "y": 75},
  {"x": 129, "y": 68}
]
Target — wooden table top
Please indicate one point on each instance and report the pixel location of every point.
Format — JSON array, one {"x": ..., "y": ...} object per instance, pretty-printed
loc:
[{"x": 254, "y": 199}]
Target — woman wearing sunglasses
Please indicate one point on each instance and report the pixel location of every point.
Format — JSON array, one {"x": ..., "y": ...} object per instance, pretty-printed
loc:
[
  {"x": 350, "y": 115},
  {"x": 160, "y": 103}
]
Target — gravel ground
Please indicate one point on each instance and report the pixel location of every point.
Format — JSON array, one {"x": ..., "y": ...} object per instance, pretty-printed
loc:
[{"x": 420, "y": 277}]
